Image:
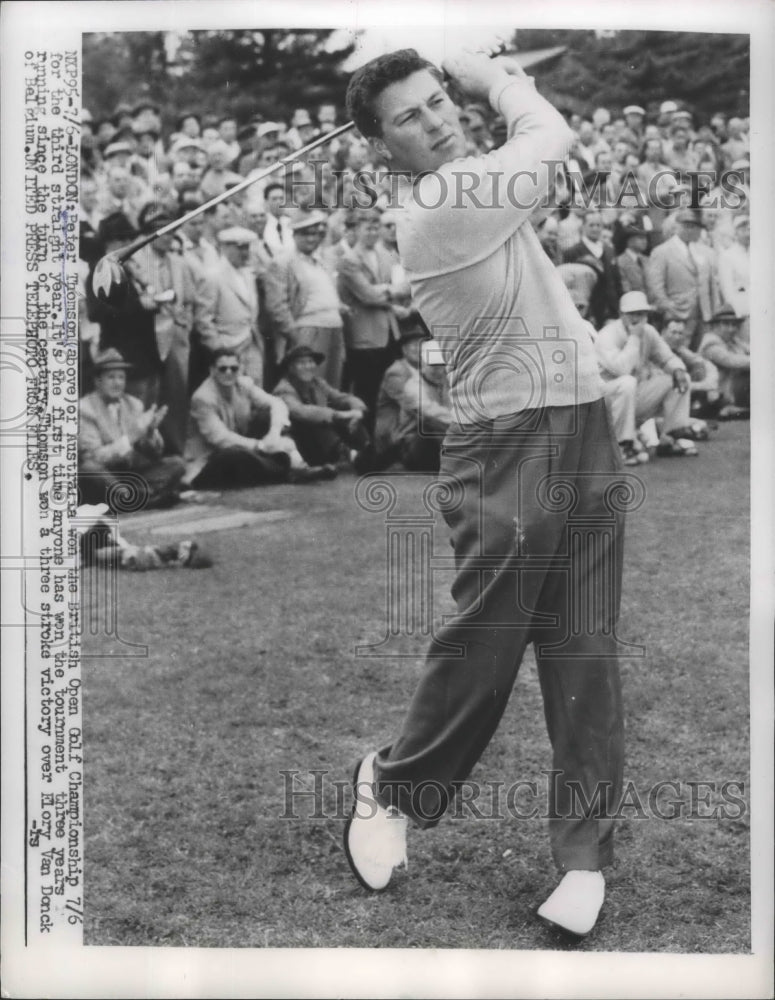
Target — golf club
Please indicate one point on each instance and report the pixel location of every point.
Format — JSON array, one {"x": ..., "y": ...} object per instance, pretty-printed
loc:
[{"x": 109, "y": 279}]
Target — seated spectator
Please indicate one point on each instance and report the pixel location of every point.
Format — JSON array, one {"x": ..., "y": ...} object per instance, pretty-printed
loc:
[
  {"x": 580, "y": 280},
  {"x": 326, "y": 424},
  {"x": 731, "y": 354},
  {"x": 413, "y": 411},
  {"x": 643, "y": 379},
  {"x": 705, "y": 394},
  {"x": 119, "y": 444},
  {"x": 237, "y": 433}
]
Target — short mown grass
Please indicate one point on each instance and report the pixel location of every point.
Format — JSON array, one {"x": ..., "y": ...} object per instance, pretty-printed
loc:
[{"x": 251, "y": 672}]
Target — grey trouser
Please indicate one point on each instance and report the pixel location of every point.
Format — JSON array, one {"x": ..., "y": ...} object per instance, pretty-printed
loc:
[{"x": 538, "y": 554}]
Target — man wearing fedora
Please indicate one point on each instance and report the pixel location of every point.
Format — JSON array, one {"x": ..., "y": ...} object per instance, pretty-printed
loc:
[
  {"x": 302, "y": 300},
  {"x": 643, "y": 379},
  {"x": 680, "y": 279},
  {"x": 119, "y": 441},
  {"x": 413, "y": 411},
  {"x": 327, "y": 425},
  {"x": 730, "y": 352}
]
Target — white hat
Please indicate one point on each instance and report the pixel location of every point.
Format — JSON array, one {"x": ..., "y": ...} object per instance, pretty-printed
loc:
[
  {"x": 236, "y": 234},
  {"x": 632, "y": 302},
  {"x": 634, "y": 109},
  {"x": 304, "y": 220},
  {"x": 666, "y": 107},
  {"x": 117, "y": 147},
  {"x": 186, "y": 143},
  {"x": 266, "y": 128}
]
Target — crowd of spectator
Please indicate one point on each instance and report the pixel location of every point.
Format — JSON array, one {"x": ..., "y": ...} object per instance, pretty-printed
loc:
[{"x": 273, "y": 338}]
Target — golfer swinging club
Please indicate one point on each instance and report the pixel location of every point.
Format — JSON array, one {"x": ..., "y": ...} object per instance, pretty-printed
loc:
[{"x": 530, "y": 428}]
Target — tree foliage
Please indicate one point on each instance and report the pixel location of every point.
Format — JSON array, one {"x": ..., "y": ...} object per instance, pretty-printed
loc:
[
  {"x": 271, "y": 71},
  {"x": 709, "y": 72}
]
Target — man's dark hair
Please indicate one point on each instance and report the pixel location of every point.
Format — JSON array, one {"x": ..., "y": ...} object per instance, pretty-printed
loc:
[
  {"x": 274, "y": 185},
  {"x": 222, "y": 352},
  {"x": 368, "y": 82}
]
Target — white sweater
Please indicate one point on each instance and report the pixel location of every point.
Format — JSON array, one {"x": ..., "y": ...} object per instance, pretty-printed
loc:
[{"x": 511, "y": 336}]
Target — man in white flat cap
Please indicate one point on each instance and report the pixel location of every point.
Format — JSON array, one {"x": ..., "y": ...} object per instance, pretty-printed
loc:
[{"x": 302, "y": 298}]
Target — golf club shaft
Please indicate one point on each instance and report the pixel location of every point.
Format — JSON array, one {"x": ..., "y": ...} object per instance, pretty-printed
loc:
[{"x": 138, "y": 244}]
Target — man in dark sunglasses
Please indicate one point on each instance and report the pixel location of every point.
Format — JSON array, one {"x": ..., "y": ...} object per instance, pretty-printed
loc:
[{"x": 237, "y": 435}]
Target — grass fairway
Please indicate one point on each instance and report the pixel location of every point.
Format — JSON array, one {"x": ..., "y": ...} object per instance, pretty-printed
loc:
[{"x": 251, "y": 671}]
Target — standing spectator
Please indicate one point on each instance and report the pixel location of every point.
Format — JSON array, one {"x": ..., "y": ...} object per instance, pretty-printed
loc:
[
  {"x": 731, "y": 354},
  {"x": 302, "y": 129},
  {"x": 666, "y": 111},
  {"x": 630, "y": 349},
  {"x": 173, "y": 291},
  {"x": 326, "y": 118},
  {"x": 128, "y": 326},
  {"x": 119, "y": 441},
  {"x": 232, "y": 301},
  {"x": 653, "y": 166},
  {"x": 737, "y": 146},
  {"x": 634, "y": 118},
  {"x": 372, "y": 329},
  {"x": 217, "y": 177},
  {"x": 631, "y": 263},
  {"x": 734, "y": 273},
  {"x": 680, "y": 276},
  {"x": 302, "y": 300},
  {"x": 237, "y": 433},
  {"x": 326, "y": 424},
  {"x": 227, "y": 133},
  {"x": 679, "y": 155},
  {"x": 590, "y": 249},
  {"x": 548, "y": 236},
  {"x": 277, "y": 234},
  {"x": 194, "y": 233}
]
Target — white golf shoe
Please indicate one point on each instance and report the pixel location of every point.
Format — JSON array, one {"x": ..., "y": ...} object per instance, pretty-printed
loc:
[
  {"x": 575, "y": 904},
  {"x": 375, "y": 837}
]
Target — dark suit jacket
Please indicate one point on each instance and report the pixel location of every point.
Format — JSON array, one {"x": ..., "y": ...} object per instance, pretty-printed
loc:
[
  {"x": 371, "y": 320},
  {"x": 632, "y": 272},
  {"x": 604, "y": 301}
]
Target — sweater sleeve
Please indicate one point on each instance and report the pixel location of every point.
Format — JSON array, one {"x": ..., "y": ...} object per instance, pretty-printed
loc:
[{"x": 463, "y": 212}]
